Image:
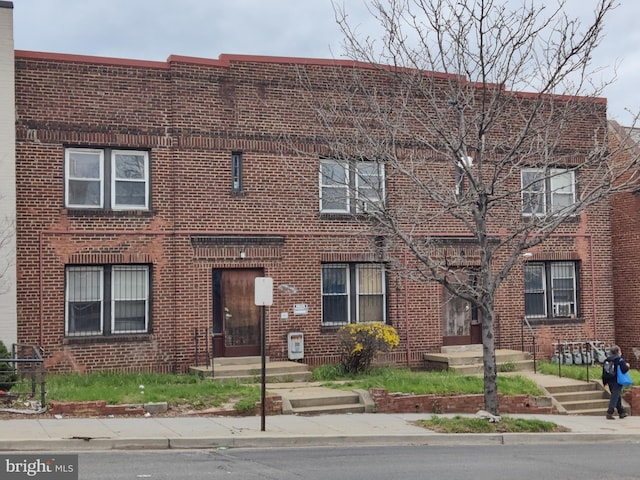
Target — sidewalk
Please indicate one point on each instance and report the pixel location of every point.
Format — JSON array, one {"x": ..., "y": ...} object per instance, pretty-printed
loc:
[
  {"x": 195, "y": 432},
  {"x": 79, "y": 434}
]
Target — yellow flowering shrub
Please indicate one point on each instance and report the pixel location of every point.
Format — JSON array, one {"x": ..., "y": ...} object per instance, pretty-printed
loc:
[{"x": 361, "y": 342}]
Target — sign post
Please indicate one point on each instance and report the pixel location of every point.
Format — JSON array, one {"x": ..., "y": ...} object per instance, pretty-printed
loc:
[{"x": 263, "y": 298}]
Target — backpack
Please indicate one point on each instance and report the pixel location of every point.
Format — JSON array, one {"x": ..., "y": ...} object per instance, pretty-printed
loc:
[{"x": 608, "y": 370}]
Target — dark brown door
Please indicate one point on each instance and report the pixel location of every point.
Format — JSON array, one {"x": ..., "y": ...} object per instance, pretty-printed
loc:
[{"x": 236, "y": 317}]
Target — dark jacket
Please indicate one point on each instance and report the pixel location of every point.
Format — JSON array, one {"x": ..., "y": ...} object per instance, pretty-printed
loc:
[{"x": 620, "y": 364}]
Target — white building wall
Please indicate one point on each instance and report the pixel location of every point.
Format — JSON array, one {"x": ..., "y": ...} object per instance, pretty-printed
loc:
[{"x": 8, "y": 314}]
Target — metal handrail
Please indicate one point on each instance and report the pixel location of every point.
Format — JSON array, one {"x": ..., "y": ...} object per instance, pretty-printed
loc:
[{"x": 533, "y": 339}]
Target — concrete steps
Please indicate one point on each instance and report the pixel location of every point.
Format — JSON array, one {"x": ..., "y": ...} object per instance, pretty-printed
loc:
[
  {"x": 249, "y": 370},
  {"x": 467, "y": 360},
  {"x": 336, "y": 401},
  {"x": 580, "y": 399}
]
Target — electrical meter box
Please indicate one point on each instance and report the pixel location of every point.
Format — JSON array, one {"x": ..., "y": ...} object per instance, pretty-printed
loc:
[{"x": 295, "y": 341}]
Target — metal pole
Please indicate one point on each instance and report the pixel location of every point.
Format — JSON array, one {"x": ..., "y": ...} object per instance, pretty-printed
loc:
[{"x": 263, "y": 382}]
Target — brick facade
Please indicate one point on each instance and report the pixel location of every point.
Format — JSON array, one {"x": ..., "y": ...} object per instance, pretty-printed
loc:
[
  {"x": 191, "y": 115},
  {"x": 625, "y": 226}
]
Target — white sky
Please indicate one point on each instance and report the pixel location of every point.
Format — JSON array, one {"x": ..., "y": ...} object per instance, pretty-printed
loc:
[{"x": 156, "y": 29}]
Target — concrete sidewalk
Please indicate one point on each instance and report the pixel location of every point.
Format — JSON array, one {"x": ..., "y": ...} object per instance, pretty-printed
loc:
[
  {"x": 80, "y": 434},
  {"x": 194, "y": 432}
]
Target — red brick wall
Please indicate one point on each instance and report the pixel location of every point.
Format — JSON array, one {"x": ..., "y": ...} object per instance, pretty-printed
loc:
[
  {"x": 386, "y": 403},
  {"x": 625, "y": 225},
  {"x": 191, "y": 115}
]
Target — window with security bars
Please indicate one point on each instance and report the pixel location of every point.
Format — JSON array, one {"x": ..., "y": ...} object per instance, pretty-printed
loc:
[
  {"x": 551, "y": 289},
  {"x": 107, "y": 300},
  {"x": 353, "y": 293}
]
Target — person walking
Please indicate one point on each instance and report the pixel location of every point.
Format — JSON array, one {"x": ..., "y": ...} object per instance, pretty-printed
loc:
[{"x": 611, "y": 380}]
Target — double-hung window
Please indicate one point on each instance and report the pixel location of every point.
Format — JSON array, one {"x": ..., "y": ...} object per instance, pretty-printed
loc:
[
  {"x": 350, "y": 186},
  {"x": 551, "y": 289},
  {"x": 106, "y": 179},
  {"x": 546, "y": 191},
  {"x": 107, "y": 299},
  {"x": 353, "y": 293}
]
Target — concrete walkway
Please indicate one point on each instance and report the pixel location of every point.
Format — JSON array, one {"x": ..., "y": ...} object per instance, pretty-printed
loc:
[{"x": 78, "y": 434}]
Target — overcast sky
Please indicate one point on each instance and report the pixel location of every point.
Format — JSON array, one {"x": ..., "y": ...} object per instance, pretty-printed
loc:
[{"x": 156, "y": 29}]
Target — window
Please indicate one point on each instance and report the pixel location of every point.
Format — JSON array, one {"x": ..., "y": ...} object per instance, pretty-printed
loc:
[
  {"x": 551, "y": 289},
  {"x": 350, "y": 187},
  {"x": 106, "y": 179},
  {"x": 104, "y": 300},
  {"x": 547, "y": 191},
  {"x": 236, "y": 171},
  {"x": 353, "y": 293}
]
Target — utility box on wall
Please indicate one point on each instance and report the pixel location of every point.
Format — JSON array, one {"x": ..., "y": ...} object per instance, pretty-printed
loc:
[{"x": 295, "y": 341}]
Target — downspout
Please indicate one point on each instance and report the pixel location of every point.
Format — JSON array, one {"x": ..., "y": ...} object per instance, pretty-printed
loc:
[
  {"x": 41, "y": 285},
  {"x": 593, "y": 289}
]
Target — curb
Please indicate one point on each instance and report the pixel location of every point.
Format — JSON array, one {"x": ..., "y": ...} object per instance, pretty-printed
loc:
[{"x": 275, "y": 441}]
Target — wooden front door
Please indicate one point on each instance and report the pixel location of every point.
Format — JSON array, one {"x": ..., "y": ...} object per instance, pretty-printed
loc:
[
  {"x": 236, "y": 319},
  {"x": 461, "y": 322},
  {"x": 456, "y": 328}
]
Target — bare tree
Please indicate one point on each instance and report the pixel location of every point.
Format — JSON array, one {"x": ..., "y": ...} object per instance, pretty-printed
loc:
[
  {"x": 438, "y": 103},
  {"x": 7, "y": 258}
]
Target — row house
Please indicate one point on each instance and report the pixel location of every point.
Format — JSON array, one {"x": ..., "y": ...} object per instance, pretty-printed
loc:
[
  {"x": 151, "y": 195},
  {"x": 625, "y": 227}
]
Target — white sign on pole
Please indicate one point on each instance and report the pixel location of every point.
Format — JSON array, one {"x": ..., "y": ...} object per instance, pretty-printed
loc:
[{"x": 264, "y": 291}]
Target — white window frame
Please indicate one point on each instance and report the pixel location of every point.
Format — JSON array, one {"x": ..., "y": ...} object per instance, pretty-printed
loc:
[
  {"x": 361, "y": 189},
  {"x": 327, "y": 183},
  {"x": 114, "y": 180},
  {"x": 70, "y": 178},
  {"x": 552, "y": 188},
  {"x": 107, "y": 180}
]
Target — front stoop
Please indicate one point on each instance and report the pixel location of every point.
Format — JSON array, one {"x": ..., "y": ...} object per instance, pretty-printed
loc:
[
  {"x": 467, "y": 359},
  {"x": 249, "y": 369}
]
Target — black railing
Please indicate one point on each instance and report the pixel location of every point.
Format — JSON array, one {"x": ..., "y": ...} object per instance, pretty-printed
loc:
[
  {"x": 22, "y": 381},
  {"x": 533, "y": 342}
]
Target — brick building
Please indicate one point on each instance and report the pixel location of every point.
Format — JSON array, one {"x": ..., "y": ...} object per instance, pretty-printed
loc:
[
  {"x": 625, "y": 226},
  {"x": 152, "y": 194}
]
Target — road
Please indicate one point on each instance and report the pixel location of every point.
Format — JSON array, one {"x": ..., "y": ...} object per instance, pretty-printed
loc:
[{"x": 558, "y": 462}]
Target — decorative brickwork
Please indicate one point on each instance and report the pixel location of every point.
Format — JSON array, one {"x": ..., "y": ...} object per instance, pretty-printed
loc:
[{"x": 190, "y": 115}]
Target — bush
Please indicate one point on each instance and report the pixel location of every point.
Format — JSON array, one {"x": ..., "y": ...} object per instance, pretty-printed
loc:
[
  {"x": 7, "y": 372},
  {"x": 360, "y": 343}
]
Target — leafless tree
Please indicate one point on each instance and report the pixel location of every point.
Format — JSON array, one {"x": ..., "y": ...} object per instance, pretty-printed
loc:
[
  {"x": 454, "y": 144},
  {"x": 7, "y": 258}
]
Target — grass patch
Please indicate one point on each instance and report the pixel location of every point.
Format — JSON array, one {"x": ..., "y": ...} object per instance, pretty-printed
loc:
[
  {"x": 579, "y": 372},
  {"x": 421, "y": 383},
  {"x": 118, "y": 388},
  {"x": 460, "y": 424}
]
